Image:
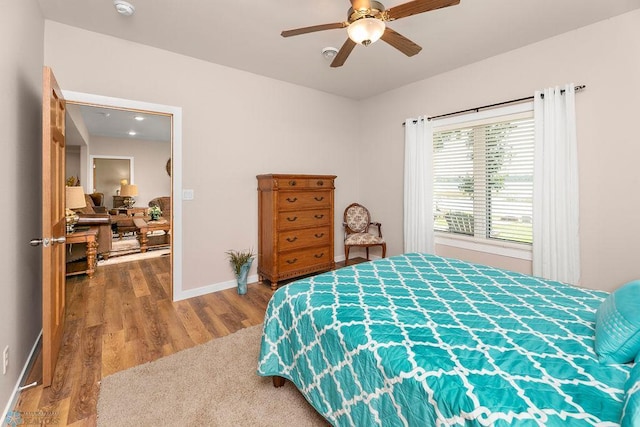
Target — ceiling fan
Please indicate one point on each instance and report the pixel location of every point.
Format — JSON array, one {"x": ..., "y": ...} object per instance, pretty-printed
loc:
[{"x": 366, "y": 24}]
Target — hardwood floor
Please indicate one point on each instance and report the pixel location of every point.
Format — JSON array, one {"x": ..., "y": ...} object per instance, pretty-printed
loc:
[{"x": 121, "y": 318}]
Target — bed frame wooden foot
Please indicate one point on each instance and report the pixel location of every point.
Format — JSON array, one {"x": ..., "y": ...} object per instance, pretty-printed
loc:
[{"x": 277, "y": 381}]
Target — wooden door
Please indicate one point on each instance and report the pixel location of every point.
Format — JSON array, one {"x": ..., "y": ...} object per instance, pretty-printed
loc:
[{"x": 53, "y": 223}]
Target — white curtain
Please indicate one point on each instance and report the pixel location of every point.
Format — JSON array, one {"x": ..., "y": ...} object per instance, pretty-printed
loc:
[
  {"x": 556, "y": 240},
  {"x": 418, "y": 186}
]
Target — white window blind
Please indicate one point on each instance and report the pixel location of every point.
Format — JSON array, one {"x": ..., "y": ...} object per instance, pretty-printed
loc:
[{"x": 483, "y": 178}]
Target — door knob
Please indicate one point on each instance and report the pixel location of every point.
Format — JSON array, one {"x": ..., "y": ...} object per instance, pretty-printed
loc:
[{"x": 47, "y": 241}]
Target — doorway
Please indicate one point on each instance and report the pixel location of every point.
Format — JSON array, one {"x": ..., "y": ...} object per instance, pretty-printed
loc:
[{"x": 85, "y": 166}]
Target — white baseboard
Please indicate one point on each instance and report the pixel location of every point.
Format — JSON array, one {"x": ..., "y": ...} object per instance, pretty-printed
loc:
[
  {"x": 13, "y": 399},
  {"x": 191, "y": 293}
]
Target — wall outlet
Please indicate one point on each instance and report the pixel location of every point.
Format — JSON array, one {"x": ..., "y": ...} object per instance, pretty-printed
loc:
[{"x": 5, "y": 360}]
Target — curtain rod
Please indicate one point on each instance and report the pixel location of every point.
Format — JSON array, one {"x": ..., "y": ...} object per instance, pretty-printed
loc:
[{"x": 477, "y": 109}]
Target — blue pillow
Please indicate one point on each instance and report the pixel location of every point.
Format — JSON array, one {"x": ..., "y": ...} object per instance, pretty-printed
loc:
[
  {"x": 631, "y": 409},
  {"x": 618, "y": 325}
]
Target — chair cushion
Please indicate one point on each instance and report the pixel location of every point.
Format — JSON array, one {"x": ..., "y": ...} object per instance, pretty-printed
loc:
[
  {"x": 363, "y": 239},
  {"x": 357, "y": 218},
  {"x": 618, "y": 325}
]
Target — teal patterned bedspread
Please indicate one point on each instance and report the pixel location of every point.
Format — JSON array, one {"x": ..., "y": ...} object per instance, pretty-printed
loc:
[{"x": 421, "y": 340}]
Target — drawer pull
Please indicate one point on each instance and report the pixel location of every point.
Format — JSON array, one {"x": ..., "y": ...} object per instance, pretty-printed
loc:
[
  {"x": 319, "y": 235},
  {"x": 292, "y": 183},
  {"x": 319, "y": 255},
  {"x": 320, "y": 183},
  {"x": 319, "y": 199},
  {"x": 290, "y": 200},
  {"x": 319, "y": 216},
  {"x": 291, "y": 239},
  {"x": 292, "y": 219},
  {"x": 292, "y": 261}
]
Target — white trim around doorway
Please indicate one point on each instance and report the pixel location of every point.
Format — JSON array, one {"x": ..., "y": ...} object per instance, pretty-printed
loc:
[{"x": 176, "y": 161}]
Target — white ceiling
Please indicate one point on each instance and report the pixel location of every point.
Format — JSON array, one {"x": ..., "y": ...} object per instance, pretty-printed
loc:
[
  {"x": 245, "y": 34},
  {"x": 116, "y": 123}
]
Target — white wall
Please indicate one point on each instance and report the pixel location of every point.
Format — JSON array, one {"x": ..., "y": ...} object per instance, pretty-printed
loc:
[
  {"x": 236, "y": 125},
  {"x": 72, "y": 162},
  {"x": 604, "y": 56},
  {"x": 149, "y": 160},
  {"x": 21, "y": 53}
]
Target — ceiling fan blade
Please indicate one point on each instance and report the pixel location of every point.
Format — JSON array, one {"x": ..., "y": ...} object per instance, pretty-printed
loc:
[
  {"x": 400, "y": 42},
  {"x": 418, "y": 6},
  {"x": 313, "y": 29},
  {"x": 343, "y": 54},
  {"x": 360, "y": 4}
]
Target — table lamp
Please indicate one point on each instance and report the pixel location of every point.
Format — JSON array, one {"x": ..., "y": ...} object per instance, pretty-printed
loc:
[
  {"x": 128, "y": 191},
  {"x": 74, "y": 199}
]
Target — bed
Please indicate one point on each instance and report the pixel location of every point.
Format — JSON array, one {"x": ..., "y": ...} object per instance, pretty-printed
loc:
[{"x": 422, "y": 340}]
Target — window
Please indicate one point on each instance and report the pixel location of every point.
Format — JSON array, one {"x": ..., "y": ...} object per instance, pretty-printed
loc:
[{"x": 483, "y": 175}]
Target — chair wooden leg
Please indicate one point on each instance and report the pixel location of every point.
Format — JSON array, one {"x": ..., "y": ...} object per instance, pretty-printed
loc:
[
  {"x": 367, "y": 249},
  {"x": 346, "y": 255},
  {"x": 384, "y": 250}
]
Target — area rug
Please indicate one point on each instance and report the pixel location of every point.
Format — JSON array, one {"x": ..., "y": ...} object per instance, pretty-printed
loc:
[
  {"x": 127, "y": 249},
  {"x": 134, "y": 257},
  {"x": 213, "y": 384},
  {"x": 124, "y": 245}
]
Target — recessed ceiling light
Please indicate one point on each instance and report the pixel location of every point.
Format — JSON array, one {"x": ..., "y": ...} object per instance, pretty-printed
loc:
[
  {"x": 124, "y": 8},
  {"x": 133, "y": 133},
  {"x": 139, "y": 118}
]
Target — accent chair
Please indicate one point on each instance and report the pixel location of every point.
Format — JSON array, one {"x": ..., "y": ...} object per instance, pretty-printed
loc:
[{"x": 356, "y": 222}]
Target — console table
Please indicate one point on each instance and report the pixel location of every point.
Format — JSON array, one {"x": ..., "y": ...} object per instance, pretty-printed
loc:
[
  {"x": 131, "y": 211},
  {"x": 147, "y": 226},
  {"x": 90, "y": 237}
]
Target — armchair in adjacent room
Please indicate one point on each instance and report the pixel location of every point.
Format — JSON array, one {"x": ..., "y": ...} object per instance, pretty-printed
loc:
[
  {"x": 356, "y": 222},
  {"x": 98, "y": 202},
  {"x": 94, "y": 215}
]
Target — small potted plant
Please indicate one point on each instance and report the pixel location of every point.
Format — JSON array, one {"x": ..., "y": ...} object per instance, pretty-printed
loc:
[
  {"x": 155, "y": 213},
  {"x": 240, "y": 263}
]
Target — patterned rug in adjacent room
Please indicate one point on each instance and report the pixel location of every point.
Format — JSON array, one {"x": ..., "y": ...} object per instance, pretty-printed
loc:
[
  {"x": 127, "y": 249},
  {"x": 126, "y": 245}
]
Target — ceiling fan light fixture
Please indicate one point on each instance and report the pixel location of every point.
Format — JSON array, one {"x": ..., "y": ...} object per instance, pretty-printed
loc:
[{"x": 366, "y": 30}]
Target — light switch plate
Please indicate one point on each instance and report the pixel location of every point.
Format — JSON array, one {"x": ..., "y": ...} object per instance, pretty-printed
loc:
[{"x": 187, "y": 195}]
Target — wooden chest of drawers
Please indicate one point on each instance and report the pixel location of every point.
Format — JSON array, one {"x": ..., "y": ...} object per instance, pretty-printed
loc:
[{"x": 295, "y": 225}]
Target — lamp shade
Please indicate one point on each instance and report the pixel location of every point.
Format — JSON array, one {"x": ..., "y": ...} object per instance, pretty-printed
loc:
[
  {"x": 366, "y": 30},
  {"x": 74, "y": 198},
  {"x": 129, "y": 190}
]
